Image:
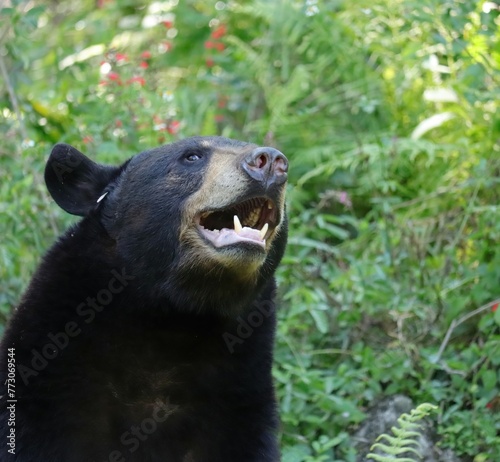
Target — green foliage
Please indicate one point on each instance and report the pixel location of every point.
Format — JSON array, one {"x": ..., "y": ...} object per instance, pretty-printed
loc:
[
  {"x": 389, "y": 113},
  {"x": 405, "y": 439}
]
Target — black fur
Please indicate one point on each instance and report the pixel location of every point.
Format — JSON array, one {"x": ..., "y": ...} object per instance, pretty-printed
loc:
[{"x": 133, "y": 342}]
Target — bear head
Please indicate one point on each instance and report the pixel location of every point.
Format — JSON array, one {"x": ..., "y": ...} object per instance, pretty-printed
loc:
[{"x": 200, "y": 223}]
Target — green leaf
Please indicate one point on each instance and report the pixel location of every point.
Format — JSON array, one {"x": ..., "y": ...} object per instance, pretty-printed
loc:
[
  {"x": 489, "y": 379},
  {"x": 296, "y": 453},
  {"x": 321, "y": 320}
]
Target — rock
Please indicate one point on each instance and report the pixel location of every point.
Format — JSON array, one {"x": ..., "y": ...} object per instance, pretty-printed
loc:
[{"x": 382, "y": 417}]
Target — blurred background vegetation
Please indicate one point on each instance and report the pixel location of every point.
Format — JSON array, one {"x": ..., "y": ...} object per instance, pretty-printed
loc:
[{"x": 389, "y": 113}]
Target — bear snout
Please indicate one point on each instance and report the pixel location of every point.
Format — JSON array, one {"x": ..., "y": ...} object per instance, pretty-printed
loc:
[{"x": 266, "y": 165}]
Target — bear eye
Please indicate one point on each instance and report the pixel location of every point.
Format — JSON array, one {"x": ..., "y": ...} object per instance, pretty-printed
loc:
[{"x": 192, "y": 156}]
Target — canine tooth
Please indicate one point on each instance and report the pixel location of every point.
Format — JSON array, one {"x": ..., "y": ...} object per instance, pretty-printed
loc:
[
  {"x": 263, "y": 231},
  {"x": 269, "y": 205},
  {"x": 237, "y": 224}
]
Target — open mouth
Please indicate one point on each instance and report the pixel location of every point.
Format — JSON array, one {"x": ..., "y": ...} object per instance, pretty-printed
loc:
[{"x": 252, "y": 221}]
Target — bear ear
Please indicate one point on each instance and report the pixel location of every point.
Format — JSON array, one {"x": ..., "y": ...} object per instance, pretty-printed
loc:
[{"x": 74, "y": 181}]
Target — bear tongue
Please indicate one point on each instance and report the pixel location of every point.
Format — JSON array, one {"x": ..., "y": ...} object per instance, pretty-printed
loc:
[
  {"x": 229, "y": 236},
  {"x": 249, "y": 233}
]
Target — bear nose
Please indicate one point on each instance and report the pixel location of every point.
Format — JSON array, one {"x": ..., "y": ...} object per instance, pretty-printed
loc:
[{"x": 266, "y": 165}]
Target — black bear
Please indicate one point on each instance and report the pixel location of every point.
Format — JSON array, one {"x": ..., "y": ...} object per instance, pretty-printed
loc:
[{"x": 146, "y": 334}]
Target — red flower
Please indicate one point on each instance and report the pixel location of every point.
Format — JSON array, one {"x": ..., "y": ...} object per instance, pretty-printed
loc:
[
  {"x": 495, "y": 307},
  {"x": 138, "y": 79},
  {"x": 219, "y": 32},
  {"x": 222, "y": 102},
  {"x": 101, "y": 3},
  {"x": 173, "y": 127},
  {"x": 121, "y": 57},
  {"x": 114, "y": 77},
  {"x": 168, "y": 24},
  {"x": 219, "y": 117},
  {"x": 219, "y": 46},
  {"x": 209, "y": 62},
  {"x": 146, "y": 55},
  {"x": 144, "y": 64},
  {"x": 119, "y": 123},
  {"x": 87, "y": 139}
]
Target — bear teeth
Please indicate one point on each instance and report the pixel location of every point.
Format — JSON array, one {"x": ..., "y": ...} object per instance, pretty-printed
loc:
[
  {"x": 255, "y": 215},
  {"x": 263, "y": 231},
  {"x": 237, "y": 224},
  {"x": 238, "y": 228}
]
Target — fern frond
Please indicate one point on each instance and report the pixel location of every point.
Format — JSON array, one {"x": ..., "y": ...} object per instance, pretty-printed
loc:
[
  {"x": 404, "y": 438},
  {"x": 402, "y": 433},
  {"x": 380, "y": 458},
  {"x": 395, "y": 451}
]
